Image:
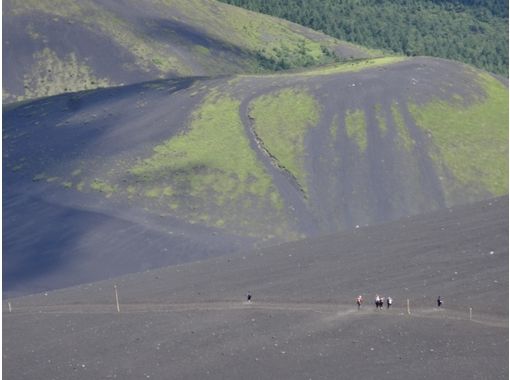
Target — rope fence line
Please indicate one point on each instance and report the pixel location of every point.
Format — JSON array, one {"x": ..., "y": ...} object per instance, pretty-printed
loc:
[{"x": 334, "y": 309}]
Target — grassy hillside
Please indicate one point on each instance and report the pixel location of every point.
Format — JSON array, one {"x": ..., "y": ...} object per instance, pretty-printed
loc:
[
  {"x": 463, "y": 148},
  {"x": 210, "y": 165},
  {"x": 60, "y": 46}
]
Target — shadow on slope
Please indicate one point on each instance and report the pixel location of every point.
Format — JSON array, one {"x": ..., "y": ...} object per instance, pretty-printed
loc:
[{"x": 80, "y": 245}]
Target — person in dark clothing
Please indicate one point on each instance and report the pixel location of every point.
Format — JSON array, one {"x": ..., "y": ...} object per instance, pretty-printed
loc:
[
  {"x": 439, "y": 301},
  {"x": 248, "y": 297}
]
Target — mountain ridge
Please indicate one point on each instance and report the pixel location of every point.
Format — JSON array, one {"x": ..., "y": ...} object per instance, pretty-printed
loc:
[{"x": 51, "y": 48}]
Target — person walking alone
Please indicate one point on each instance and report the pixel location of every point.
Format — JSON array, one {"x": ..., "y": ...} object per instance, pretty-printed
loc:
[{"x": 359, "y": 301}]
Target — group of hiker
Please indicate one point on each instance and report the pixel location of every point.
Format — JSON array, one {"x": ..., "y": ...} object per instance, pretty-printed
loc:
[{"x": 379, "y": 301}]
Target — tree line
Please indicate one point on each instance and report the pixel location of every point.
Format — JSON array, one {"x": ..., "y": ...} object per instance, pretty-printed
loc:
[{"x": 470, "y": 31}]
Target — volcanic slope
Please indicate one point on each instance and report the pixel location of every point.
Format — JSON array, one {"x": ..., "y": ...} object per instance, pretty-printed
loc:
[
  {"x": 51, "y": 47},
  {"x": 191, "y": 321},
  {"x": 106, "y": 182}
]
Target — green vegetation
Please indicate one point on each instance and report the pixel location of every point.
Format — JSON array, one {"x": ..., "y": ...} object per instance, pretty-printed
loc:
[
  {"x": 471, "y": 140},
  {"x": 273, "y": 42},
  {"x": 103, "y": 187},
  {"x": 17, "y": 167},
  {"x": 199, "y": 49},
  {"x": 471, "y": 31},
  {"x": 237, "y": 40},
  {"x": 51, "y": 75},
  {"x": 381, "y": 120},
  {"x": 302, "y": 54},
  {"x": 150, "y": 53},
  {"x": 333, "y": 128},
  {"x": 356, "y": 128},
  {"x": 404, "y": 138},
  {"x": 343, "y": 67},
  {"x": 153, "y": 192},
  {"x": 76, "y": 172},
  {"x": 39, "y": 177},
  {"x": 281, "y": 121},
  {"x": 209, "y": 164}
]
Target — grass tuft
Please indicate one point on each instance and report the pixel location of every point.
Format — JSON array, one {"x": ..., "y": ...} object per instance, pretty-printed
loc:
[{"x": 356, "y": 128}]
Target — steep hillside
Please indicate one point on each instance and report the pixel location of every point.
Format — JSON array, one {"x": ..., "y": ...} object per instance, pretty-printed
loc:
[
  {"x": 106, "y": 182},
  {"x": 51, "y": 47},
  {"x": 190, "y": 321}
]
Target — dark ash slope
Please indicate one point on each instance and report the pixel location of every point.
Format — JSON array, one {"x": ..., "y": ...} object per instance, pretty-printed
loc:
[{"x": 189, "y": 321}]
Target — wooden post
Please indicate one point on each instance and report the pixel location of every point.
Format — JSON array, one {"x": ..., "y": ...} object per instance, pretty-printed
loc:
[
  {"x": 470, "y": 313},
  {"x": 117, "y": 298},
  {"x": 408, "y": 308},
  {"x": 10, "y": 307}
]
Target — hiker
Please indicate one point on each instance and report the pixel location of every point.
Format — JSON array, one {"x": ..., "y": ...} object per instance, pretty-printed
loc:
[
  {"x": 248, "y": 297},
  {"x": 381, "y": 302},
  {"x": 439, "y": 301},
  {"x": 389, "y": 302},
  {"x": 377, "y": 301},
  {"x": 359, "y": 301}
]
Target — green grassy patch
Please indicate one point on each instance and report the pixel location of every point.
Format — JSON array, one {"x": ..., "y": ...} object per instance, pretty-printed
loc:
[
  {"x": 356, "y": 128},
  {"x": 51, "y": 75},
  {"x": 149, "y": 52},
  {"x": 18, "y": 167},
  {"x": 168, "y": 191},
  {"x": 154, "y": 192},
  {"x": 76, "y": 172},
  {"x": 333, "y": 129},
  {"x": 471, "y": 141},
  {"x": 404, "y": 138},
  {"x": 273, "y": 41},
  {"x": 202, "y": 50},
  {"x": 344, "y": 67},
  {"x": 381, "y": 120},
  {"x": 103, "y": 187},
  {"x": 39, "y": 177},
  {"x": 210, "y": 164},
  {"x": 281, "y": 121}
]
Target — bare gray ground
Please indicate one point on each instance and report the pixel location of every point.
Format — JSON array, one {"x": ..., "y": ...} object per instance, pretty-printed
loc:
[{"x": 191, "y": 321}]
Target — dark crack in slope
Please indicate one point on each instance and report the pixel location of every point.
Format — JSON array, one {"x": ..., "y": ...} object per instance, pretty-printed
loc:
[{"x": 287, "y": 184}]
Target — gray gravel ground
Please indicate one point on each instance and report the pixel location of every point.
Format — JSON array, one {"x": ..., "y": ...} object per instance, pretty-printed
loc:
[{"x": 191, "y": 321}]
